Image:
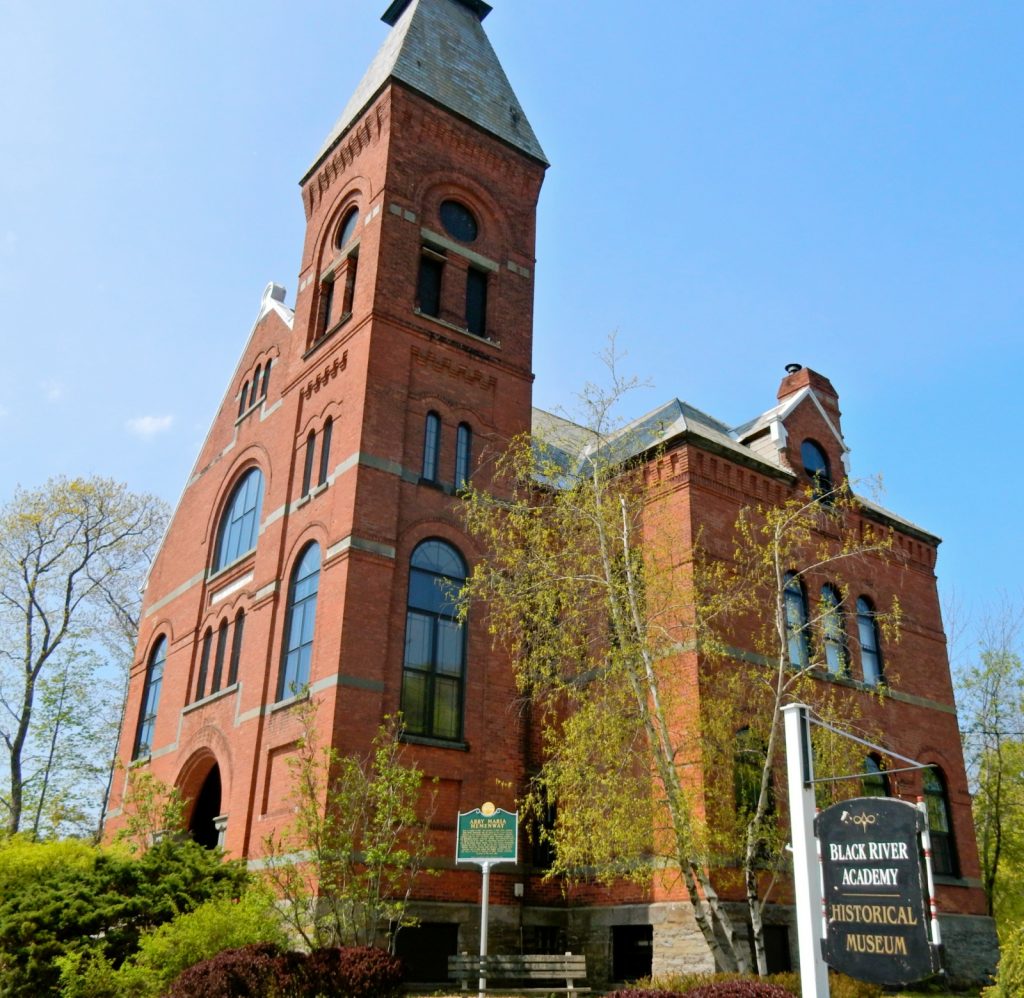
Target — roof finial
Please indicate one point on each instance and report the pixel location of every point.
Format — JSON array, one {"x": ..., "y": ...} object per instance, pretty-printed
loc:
[{"x": 397, "y": 8}]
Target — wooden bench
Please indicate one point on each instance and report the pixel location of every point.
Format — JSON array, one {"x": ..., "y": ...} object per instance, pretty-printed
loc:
[{"x": 527, "y": 969}]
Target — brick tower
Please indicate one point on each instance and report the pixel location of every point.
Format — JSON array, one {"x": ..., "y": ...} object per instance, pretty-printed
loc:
[{"x": 305, "y": 547}]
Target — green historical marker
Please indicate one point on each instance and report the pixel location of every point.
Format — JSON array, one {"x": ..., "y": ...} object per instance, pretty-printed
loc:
[{"x": 488, "y": 834}]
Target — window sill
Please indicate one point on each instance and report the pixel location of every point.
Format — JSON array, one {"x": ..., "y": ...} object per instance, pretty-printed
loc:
[
  {"x": 210, "y": 697},
  {"x": 459, "y": 746},
  {"x": 328, "y": 334},
  {"x": 310, "y": 495},
  {"x": 461, "y": 330},
  {"x": 258, "y": 404},
  {"x": 226, "y": 570},
  {"x": 290, "y": 702}
]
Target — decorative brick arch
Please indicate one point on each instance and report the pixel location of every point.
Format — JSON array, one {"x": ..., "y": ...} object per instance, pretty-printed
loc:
[{"x": 203, "y": 787}]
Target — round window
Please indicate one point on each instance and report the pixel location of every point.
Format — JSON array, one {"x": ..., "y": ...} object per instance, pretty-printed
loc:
[
  {"x": 458, "y": 221},
  {"x": 347, "y": 229}
]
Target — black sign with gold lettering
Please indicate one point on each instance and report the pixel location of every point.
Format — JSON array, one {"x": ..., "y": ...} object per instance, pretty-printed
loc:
[{"x": 874, "y": 900}]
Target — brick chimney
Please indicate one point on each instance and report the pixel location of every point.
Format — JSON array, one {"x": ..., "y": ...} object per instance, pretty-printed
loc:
[{"x": 798, "y": 376}]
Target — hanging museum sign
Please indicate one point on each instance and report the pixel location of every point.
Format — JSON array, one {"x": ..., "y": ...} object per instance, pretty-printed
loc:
[{"x": 877, "y": 920}]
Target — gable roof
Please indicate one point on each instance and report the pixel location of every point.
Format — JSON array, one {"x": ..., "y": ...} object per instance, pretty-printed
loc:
[{"x": 439, "y": 49}]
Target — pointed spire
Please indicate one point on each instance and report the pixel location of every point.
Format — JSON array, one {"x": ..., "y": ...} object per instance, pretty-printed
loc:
[{"x": 439, "y": 49}]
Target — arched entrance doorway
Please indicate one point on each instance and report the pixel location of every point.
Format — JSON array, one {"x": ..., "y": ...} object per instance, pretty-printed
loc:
[
  {"x": 201, "y": 824},
  {"x": 202, "y": 789}
]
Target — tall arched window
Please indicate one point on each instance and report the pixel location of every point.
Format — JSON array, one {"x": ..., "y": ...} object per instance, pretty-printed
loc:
[
  {"x": 870, "y": 645},
  {"x": 218, "y": 661},
  {"x": 940, "y": 825},
  {"x": 239, "y": 525},
  {"x": 431, "y": 446},
  {"x": 150, "y": 699},
  {"x": 265, "y": 386},
  {"x": 433, "y": 677},
  {"x": 307, "y": 466},
  {"x": 204, "y": 664},
  {"x": 833, "y": 631},
  {"x": 874, "y": 783},
  {"x": 255, "y": 393},
  {"x": 236, "y": 647},
  {"x": 816, "y": 467},
  {"x": 796, "y": 622},
  {"x": 325, "y": 451},
  {"x": 463, "y": 455},
  {"x": 243, "y": 399},
  {"x": 298, "y": 624}
]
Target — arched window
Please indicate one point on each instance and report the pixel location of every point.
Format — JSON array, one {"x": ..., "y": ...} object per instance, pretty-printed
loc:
[
  {"x": 796, "y": 622},
  {"x": 433, "y": 676},
  {"x": 747, "y": 770},
  {"x": 816, "y": 468},
  {"x": 150, "y": 699},
  {"x": 347, "y": 229},
  {"x": 236, "y": 647},
  {"x": 307, "y": 468},
  {"x": 255, "y": 393},
  {"x": 431, "y": 446},
  {"x": 833, "y": 631},
  {"x": 218, "y": 662},
  {"x": 265, "y": 387},
  {"x": 239, "y": 525},
  {"x": 940, "y": 825},
  {"x": 874, "y": 783},
  {"x": 298, "y": 624},
  {"x": 325, "y": 451},
  {"x": 204, "y": 664},
  {"x": 243, "y": 399},
  {"x": 463, "y": 455},
  {"x": 870, "y": 645},
  {"x": 458, "y": 221}
]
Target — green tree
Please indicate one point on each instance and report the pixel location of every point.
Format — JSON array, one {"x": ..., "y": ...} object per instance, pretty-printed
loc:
[
  {"x": 64, "y": 898},
  {"x": 752, "y": 611},
  {"x": 72, "y": 558},
  {"x": 991, "y": 706},
  {"x": 595, "y": 605},
  {"x": 345, "y": 868},
  {"x": 617, "y": 628}
]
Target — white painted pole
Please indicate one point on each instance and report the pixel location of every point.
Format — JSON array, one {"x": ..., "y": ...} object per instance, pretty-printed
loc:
[
  {"x": 484, "y": 898},
  {"x": 806, "y": 865},
  {"x": 926, "y": 843}
]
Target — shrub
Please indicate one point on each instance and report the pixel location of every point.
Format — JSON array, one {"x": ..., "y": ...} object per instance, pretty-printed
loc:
[
  {"x": 1009, "y": 982},
  {"x": 353, "y": 972},
  {"x": 253, "y": 971},
  {"x": 841, "y": 986},
  {"x": 263, "y": 970},
  {"x": 643, "y": 993},
  {"x": 742, "y": 988},
  {"x": 220, "y": 924},
  {"x": 63, "y": 899}
]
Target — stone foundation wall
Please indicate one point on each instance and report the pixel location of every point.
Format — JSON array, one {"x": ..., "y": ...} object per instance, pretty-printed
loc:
[{"x": 970, "y": 944}]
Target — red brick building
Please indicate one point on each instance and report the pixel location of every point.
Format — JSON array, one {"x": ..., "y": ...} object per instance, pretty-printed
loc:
[{"x": 322, "y": 508}]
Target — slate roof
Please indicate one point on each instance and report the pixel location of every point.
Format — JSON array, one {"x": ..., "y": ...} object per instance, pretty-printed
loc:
[
  {"x": 439, "y": 49},
  {"x": 571, "y": 443}
]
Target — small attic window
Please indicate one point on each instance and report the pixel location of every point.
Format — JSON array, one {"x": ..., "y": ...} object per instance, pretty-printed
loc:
[
  {"x": 347, "y": 229},
  {"x": 458, "y": 221},
  {"x": 816, "y": 467}
]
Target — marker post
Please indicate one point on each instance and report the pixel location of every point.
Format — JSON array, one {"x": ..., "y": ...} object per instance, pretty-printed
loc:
[{"x": 487, "y": 836}]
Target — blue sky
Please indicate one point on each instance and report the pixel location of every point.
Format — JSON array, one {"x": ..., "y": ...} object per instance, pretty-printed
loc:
[{"x": 734, "y": 186}]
